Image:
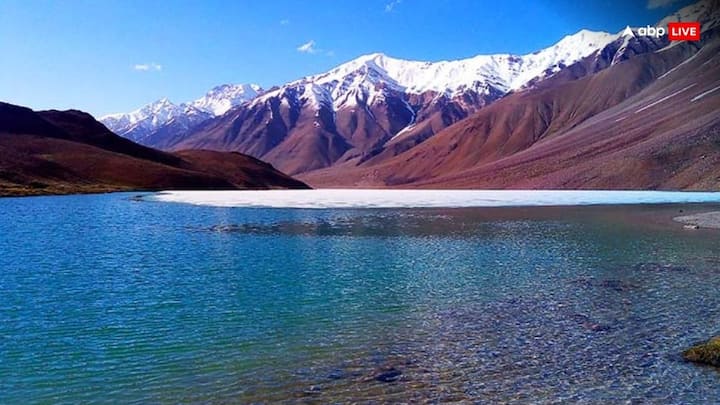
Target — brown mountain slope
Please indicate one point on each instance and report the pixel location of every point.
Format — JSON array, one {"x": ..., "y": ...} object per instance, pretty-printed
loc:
[
  {"x": 298, "y": 136},
  {"x": 69, "y": 152},
  {"x": 242, "y": 170},
  {"x": 613, "y": 129}
]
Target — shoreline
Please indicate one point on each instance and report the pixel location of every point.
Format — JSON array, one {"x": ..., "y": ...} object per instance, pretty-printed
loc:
[
  {"x": 694, "y": 215},
  {"x": 15, "y": 192},
  {"x": 702, "y": 220}
]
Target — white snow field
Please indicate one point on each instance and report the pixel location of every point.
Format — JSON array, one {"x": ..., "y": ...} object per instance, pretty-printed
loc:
[{"x": 377, "y": 198}]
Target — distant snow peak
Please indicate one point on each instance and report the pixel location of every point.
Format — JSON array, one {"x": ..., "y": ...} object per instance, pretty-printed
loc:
[
  {"x": 140, "y": 123},
  {"x": 221, "y": 99}
]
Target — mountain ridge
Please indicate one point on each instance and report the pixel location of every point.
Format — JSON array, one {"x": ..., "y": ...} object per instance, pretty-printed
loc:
[
  {"x": 376, "y": 108},
  {"x": 161, "y": 123},
  {"x": 62, "y": 152},
  {"x": 138, "y": 124}
]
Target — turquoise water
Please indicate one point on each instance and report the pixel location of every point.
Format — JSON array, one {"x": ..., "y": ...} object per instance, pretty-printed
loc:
[{"x": 106, "y": 299}]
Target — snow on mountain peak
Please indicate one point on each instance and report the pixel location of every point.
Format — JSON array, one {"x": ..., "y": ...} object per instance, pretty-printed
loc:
[
  {"x": 585, "y": 38},
  {"x": 503, "y": 70},
  {"x": 152, "y": 116},
  {"x": 565, "y": 52},
  {"x": 222, "y": 98},
  {"x": 367, "y": 77}
]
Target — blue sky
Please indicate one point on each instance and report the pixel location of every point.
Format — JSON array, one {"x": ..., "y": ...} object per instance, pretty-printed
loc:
[{"x": 116, "y": 55}]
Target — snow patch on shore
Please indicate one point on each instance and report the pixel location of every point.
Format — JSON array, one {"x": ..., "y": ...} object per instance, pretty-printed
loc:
[{"x": 354, "y": 198}]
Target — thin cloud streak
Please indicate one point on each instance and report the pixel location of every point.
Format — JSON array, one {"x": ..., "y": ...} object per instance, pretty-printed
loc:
[{"x": 148, "y": 67}]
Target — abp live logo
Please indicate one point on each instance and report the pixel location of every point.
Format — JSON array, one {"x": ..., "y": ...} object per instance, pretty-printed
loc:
[
  {"x": 676, "y": 31},
  {"x": 684, "y": 31}
]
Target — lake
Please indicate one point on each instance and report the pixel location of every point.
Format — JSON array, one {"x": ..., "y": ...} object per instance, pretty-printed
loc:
[{"x": 109, "y": 299}]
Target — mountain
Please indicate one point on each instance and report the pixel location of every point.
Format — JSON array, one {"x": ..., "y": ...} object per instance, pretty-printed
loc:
[
  {"x": 649, "y": 119},
  {"x": 378, "y": 121},
  {"x": 356, "y": 109},
  {"x": 58, "y": 152},
  {"x": 155, "y": 122}
]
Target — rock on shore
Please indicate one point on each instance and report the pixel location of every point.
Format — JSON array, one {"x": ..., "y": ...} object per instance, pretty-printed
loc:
[{"x": 705, "y": 353}]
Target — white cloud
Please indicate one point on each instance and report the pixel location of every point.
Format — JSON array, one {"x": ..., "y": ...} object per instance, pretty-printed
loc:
[
  {"x": 391, "y": 6},
  {"x": 653, "y": 4},
  {"x": 147, "y": 67},
  {"x": 312, "y": 48},
  {"x": 308, "y": 47},
  {"x": 284, "y": 22}
]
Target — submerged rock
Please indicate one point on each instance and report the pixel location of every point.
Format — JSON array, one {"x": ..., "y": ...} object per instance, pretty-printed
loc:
[
  {"x": 223, "y": 228},
  {"x": 389, "y": 375},
  {"x": 597, "y": 327},
  {"x": 612, "y": 284},
  {"x": 705, "y": 353},
  {"x": 617, "y": 285},
  {"x": 591, "y": 325},
  {"x": 336, "y": 375}
]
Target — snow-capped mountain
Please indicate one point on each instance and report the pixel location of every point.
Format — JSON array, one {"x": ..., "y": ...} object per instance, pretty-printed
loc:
[
  {"x": 367, "y": 76},
  {"x": 137, "y": 124},
  {"x": 376, "y": 106},
  {"x": 640, "y": 113},
  {"x": 366, "y": 81},
  {"x": 222, "y": 98},
  {"x": 142, "y": 123},
  {"x": 356, "y": 109}
]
